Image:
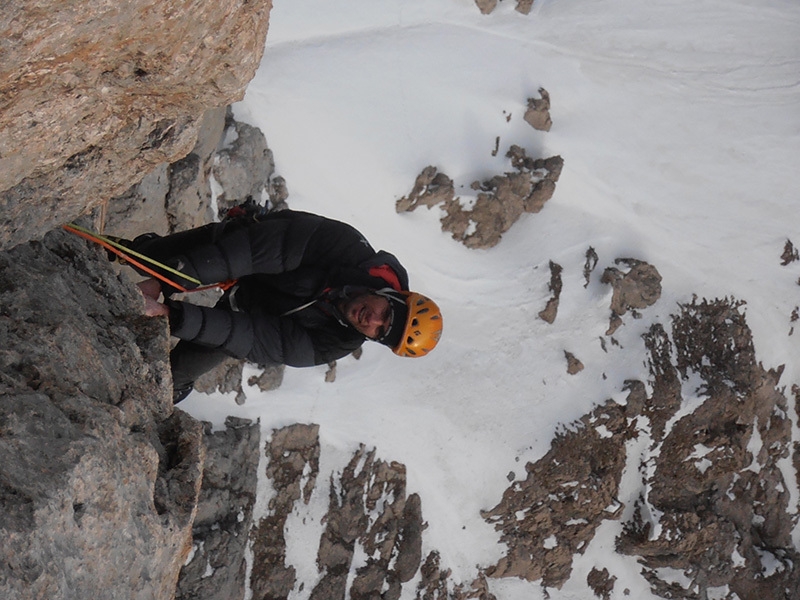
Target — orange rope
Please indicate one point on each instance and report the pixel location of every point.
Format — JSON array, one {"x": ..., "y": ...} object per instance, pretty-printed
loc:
[{"x": 225, "y": 285}]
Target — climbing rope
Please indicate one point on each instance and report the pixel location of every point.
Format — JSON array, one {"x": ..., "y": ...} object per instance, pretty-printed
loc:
[{"x": 128, "y": 255}]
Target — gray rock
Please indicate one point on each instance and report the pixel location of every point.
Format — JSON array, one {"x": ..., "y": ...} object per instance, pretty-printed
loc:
[{"x": 98, "y": 477}]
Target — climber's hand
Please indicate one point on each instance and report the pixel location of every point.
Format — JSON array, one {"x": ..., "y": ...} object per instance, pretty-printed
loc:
[
  {"x": 153, "y": 308},
  {"x": 151, "y": 290}
]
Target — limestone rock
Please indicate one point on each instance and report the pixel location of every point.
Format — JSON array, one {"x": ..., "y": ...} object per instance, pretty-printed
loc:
[
  {"x": 243, "y": 165},
  {"x": 95, "y": 95}
]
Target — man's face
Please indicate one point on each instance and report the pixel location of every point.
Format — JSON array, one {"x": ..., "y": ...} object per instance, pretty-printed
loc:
[{"x": 370, "y": 314}]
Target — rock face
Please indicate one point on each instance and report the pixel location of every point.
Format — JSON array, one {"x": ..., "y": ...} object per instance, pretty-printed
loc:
[
  {"x": 99, "y": 478},
  {"x": 93, "y": 96}
]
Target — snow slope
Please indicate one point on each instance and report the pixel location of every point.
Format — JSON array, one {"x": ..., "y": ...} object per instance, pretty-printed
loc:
[{"x": 679, "y": 125}]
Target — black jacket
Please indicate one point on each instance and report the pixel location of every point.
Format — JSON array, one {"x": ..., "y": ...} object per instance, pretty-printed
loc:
[{"x": 284, "y": 261}]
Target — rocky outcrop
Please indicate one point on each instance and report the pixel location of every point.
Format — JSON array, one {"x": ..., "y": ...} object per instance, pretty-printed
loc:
[
  {"x": 94, "y": 96},
  {"x": 553, "y": 514},
  {"x": 501, "y": 200},
  {"x": 537, "y": 114},
  {"x": 637, "y": 288},
  {"x": 99, "y": 478},
  {"x": 712, "y": 476},
  {"x": 716, "y": 478},
  {"x": 369, "y": 508}
]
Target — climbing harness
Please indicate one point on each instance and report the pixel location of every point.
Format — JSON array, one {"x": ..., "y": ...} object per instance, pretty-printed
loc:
[{"x": 128, "y": 256}]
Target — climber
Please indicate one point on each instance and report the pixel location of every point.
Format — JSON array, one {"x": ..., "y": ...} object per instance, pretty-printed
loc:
[{"x": 308, "y": 290}]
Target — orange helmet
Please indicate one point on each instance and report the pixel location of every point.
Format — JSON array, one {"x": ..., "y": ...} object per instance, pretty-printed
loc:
[{"x": 423, "y": 326}]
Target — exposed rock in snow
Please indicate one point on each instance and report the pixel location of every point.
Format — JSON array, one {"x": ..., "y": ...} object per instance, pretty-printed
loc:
[
  {"x": 551, "y": 310},
  {"x": 487, "y": 6},
  {"x": 538, "y": 113},
  {"x": 293, "y": 455},
  {"x": 574, "y": 365},
  {"x": 715, "y": 478},
  {"x": 369, "y": 507},
  {"x": 566, "y": 496},
  {"x": 431, "y": 188},
  {"x": 501, "y": 200},
  {"x": 714, "y": 504},
  {"x": 790, "y": 253},
  {"x": 640, "y": 287},
  {"x": 601, "y": 582}
]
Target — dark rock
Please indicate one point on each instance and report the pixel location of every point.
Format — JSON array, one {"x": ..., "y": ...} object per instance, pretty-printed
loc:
[
  {"x": 501, "y": 200},
  {"x": 217, "y": 565},
  {"x": 601, "y": 583},
  {"x": 716, "y": 498},
  {"x": 293, "y": 455},
  {"x": 486, "y": 6},
  {"x": 790, "y": 253},
  {"x": 430, "y": 188},
  {"x": 391, "y": 538},
  {"x": 574, "y": 366}
]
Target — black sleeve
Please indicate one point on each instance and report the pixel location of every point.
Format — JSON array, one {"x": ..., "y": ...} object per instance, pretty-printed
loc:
[
  {"x": 228, "y": 331},
  {"x": 284, "y": 242},
  {"x": 258, "y": 337}
]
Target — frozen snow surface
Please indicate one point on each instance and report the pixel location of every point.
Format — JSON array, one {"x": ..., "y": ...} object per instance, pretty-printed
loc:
[{"x": 679, "y": 125}]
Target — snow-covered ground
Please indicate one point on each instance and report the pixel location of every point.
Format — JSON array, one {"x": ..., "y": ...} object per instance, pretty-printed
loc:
[{"x": 679, "y": 125}]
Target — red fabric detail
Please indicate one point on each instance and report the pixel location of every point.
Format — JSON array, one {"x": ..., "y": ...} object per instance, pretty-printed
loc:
[
  {"x": 386, "y": 273},
  {"x": 236, "y": 211}
]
